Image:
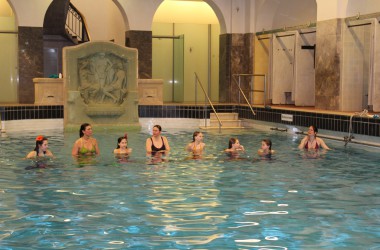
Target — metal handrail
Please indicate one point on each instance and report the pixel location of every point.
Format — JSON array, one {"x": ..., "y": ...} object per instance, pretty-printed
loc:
[
  {"x": 252, "y": 87},
  {"x": 241, "y": 91},
  {"x": 197, "y": 80},
  {"x": 76, "y": 24}
]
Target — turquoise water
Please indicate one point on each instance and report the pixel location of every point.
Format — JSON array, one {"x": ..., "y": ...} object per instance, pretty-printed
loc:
[{"x": 294, "y": 200}]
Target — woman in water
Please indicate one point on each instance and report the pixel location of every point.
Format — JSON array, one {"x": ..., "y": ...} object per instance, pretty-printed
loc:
[
  {"x": 197, "y": 145},
  {"x": 86, "y": 144},
  {"x": 266, "y": 148},
  {"x": 235, "y": 149},
  {"x": 157, "y": 143},
  {"x": 311, "y": 141},
  {"x": 122, "y": 146},
  {"x": 41, "y": 148},
  {"x": 234, "y": 146}
]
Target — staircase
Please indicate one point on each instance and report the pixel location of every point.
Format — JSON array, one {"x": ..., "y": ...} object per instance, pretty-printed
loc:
[{"x": 228, "y": 120}]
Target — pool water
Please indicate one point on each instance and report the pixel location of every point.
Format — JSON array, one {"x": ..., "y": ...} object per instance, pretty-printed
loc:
[{"x": 294, "y": 200}]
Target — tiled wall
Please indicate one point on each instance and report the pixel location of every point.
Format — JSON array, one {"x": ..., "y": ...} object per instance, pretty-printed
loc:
[
  {"x": 9, "y": 113},
  {"x": 333, "y": 122}
]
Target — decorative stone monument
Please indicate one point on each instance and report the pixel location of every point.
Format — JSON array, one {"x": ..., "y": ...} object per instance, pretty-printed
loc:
[{"x": 100, "y": 84}]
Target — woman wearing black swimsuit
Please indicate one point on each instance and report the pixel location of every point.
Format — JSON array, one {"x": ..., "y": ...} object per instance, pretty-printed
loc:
[{"x": 157, "y": 143}]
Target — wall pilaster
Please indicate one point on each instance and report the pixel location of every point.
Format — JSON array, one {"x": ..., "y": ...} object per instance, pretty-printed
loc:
[
  {"x": 328, "y": 64},
  {"x": 142, "y": 41},
  {"x": 30, "y": 50},
  {"x": 236, "y": 57}
]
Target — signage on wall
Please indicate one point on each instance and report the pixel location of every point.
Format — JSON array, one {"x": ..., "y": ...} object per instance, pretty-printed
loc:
[{"x": 286, "y": 117}]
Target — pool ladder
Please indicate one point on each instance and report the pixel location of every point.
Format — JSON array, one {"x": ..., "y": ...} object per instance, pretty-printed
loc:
[{"x": 350, "y": 136}]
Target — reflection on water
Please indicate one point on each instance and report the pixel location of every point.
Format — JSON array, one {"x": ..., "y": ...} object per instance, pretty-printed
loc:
[{"x": 293, "y": 200}]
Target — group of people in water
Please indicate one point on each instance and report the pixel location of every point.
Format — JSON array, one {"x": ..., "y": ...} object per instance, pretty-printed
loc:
[{"x": 158, "y": 144}]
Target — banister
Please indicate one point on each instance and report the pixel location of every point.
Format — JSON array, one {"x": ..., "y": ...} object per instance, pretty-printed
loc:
[
  {"x": 252, "y": 89},
  {"x": 197, "y": 80}
]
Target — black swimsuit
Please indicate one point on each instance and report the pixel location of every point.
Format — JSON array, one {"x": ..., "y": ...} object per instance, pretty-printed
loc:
[{"x": 162, "y": 148}]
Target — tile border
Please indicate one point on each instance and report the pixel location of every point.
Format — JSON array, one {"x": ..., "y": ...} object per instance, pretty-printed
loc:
[{"x": 333, "y": 122}]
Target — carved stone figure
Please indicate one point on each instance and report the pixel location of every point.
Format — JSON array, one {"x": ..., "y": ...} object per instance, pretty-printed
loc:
[{"x": 103, "y": 79}]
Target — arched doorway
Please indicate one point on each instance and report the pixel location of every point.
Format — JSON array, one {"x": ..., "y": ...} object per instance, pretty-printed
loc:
[
  {"x": 8, "y": 54},
  {"x": 183, "y": 45}
]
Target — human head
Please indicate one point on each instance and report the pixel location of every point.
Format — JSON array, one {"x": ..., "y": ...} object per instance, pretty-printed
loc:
[
  {"x": 120, "y": 139},
  {"x": 41, "y": 142},
  {"x": 313, "y": 130},
  {"x": 158, "y": 127},
  {"x": 156, "y": 131},
  {"x": 266, "y": 142},
  {"x": 83, "y": 128},
  {"x": 232, "y": 141},
  {"x": 195, "y": 134}
]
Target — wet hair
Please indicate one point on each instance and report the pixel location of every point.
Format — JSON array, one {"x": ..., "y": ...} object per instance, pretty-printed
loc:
[
  {"x": 39, "y": 141},
  {"x": 158, "y": 126},
  {"x": 195, "y": 135},
  {"x": 83, "y": 127},
  {"x": 268, "y": 143},
  {"x": 232, "y": 141},
  {"x": 120, "y": 139}
]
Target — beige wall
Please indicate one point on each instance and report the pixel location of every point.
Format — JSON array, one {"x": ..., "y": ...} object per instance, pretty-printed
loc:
[{"x": 328, "y": 9}]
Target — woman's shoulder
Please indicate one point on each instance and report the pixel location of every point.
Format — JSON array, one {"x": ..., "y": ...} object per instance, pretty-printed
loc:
[
  {"x": 319, "y": 139},
  {"x": 31, "y": 154},
  {"x": 48, "y": 153}
]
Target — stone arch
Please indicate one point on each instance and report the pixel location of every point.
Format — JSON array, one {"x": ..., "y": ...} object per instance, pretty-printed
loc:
[
  {"x": 14, "y": 12},
  {"x": 124, "y": 15},
  {"x": 219, "y": 15}
]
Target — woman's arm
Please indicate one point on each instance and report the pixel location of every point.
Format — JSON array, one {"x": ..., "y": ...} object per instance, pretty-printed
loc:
[
  {"x": 75, "y": 149},
  {"x": 188, "y": 147},
  {"x": 303, "y": 142},
  {"x": 148, "y": 145},
  {"x": 97, "y": 151},
  {"x": 166, "y": 143},
  {"x": 322, "y": 143}
]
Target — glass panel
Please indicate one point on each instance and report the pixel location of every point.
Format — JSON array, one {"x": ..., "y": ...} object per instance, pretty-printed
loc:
[
  {"x": 162, "y": 65},
  {"x": 178, "y": 67},
  {"x": 8, "y": 54},
  {"x": 8, "y": 69}
]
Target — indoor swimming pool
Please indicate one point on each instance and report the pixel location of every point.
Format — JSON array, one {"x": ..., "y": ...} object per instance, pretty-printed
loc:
[{"x": 293, "y": 200}]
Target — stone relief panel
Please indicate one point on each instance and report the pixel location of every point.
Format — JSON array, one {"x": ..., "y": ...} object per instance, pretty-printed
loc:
[{"x": 103, "y": 78}]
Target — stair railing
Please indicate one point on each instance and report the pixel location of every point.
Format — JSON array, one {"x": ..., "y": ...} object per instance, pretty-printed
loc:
[
  {"x": 76, "y": 24},
  {"x": 237, "y": 82},
  {"x": 198, "y": 81}
]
